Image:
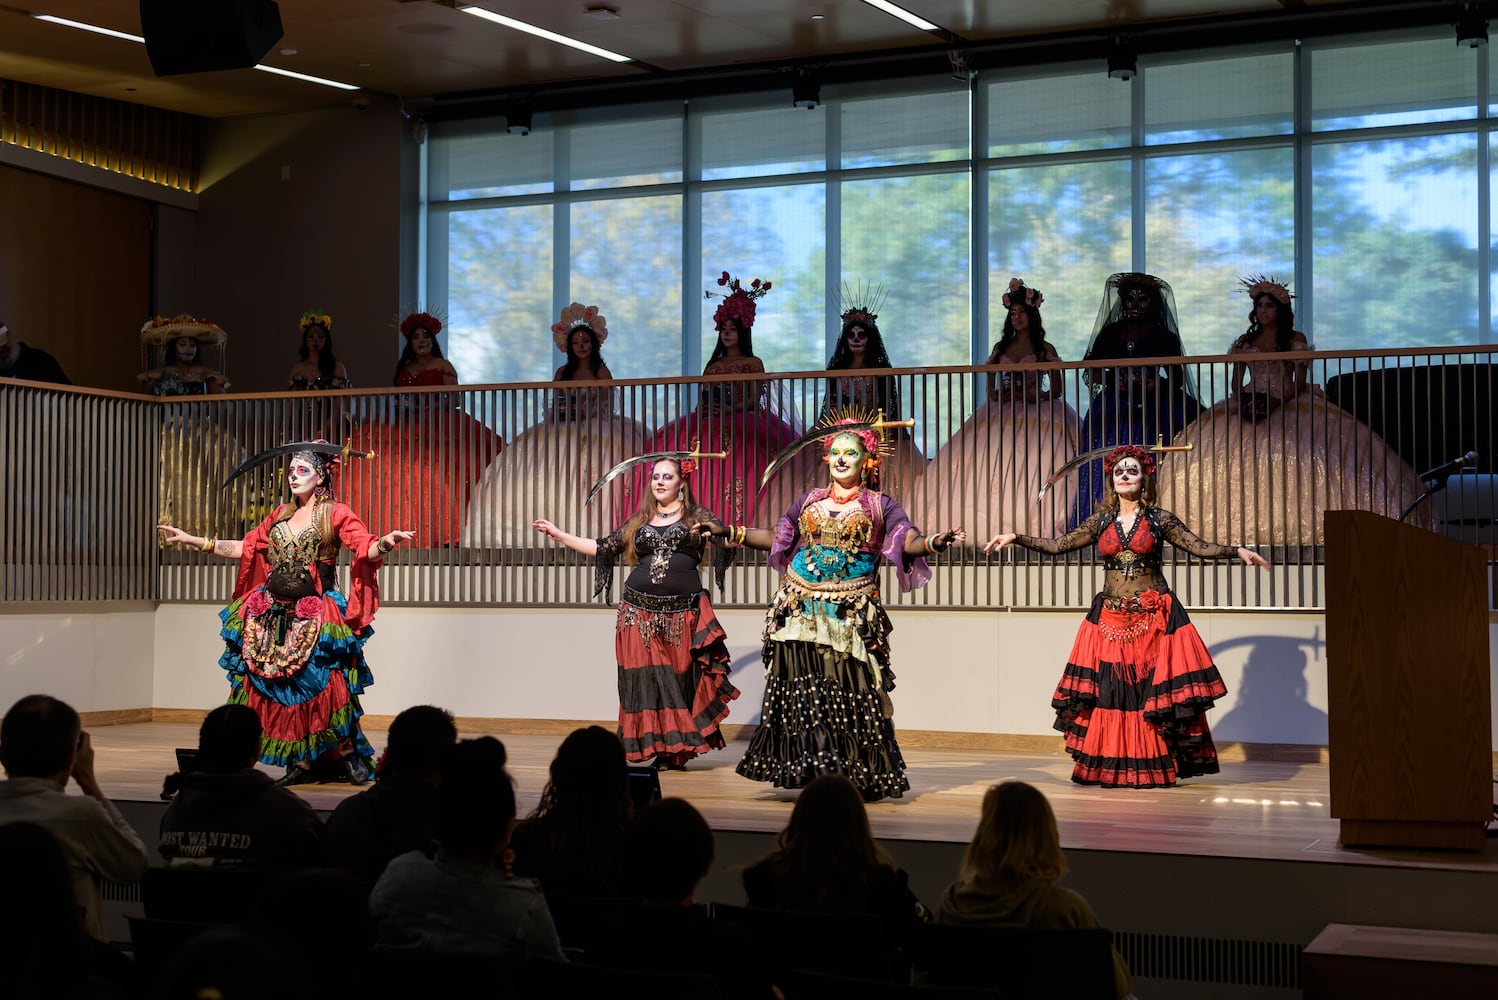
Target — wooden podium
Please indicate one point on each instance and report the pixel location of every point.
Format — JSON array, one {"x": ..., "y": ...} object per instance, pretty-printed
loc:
[{"x": 1409, "y": 717}]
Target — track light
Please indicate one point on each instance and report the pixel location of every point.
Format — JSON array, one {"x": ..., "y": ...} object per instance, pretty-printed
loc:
[
  {"x": 806, "y": 91},
  {"x": 1471, "y": 27},
  {"x": 1123, "y": 64},
  {"x": 518, "y": 117}
]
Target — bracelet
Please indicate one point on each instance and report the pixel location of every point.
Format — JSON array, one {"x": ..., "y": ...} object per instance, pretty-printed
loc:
[
  {"x": 742, "y": 533},
  {"x": 383, "y": 545},
  {"x": 931, "y": 543},
  {"x": 208, "y": 544}
]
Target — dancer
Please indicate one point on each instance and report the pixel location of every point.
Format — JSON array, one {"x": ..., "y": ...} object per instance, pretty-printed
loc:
[
  {"x": 987, "y": 475},
  {"x": 1140, "y": 400},
  {"x": 547, "y": 469},
  {"x": 294, "y": 642},
  {"x": 1137, "y": 686},
  {"x": 1277, "y": 454},
  {"x": 827, "y": 708},
  {"x": 673, "y": 663},
  {"x": 734, "y": 417}
]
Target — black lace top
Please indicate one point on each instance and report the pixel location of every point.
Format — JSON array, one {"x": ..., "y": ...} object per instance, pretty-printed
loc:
[
  {"x": 1131, "y": 559},
  {"x": 668, "y": 556}
]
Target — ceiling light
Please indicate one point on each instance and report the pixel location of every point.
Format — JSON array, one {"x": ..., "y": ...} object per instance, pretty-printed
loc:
[
  {"x": 602, "y": 12},
  {"x": 91, "y": 27},
  {"x": 902, "y": 14},
  {"x": 550, "y": 36},
  {"x": 1471, "y": 27},
  {"x": 1123, "y": 64},
  {"x": 806, "y": 91},
  {"x": 303, "y": 76}
]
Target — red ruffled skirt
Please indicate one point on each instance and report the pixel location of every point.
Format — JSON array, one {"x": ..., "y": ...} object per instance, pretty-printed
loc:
[
  {"x": 674, "y": 687},
  {"x": 1134, "y": 697}
]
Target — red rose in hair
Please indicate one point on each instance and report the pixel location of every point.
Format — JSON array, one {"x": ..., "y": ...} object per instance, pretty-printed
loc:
[{"x": 687, "y": 467}]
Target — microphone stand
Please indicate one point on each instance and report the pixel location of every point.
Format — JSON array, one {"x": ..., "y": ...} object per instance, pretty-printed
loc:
[{"x": 1432, "y": 487}]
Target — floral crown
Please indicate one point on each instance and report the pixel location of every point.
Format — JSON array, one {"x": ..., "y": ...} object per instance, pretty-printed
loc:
[
  {"x": 1263, "y": 284},
  {"x": 420, "y": 321},
  {"x": 161, "y": 330},
  {"x": 1144, "y": 458},
  {"x": 314, "y": 318},
  {"x": 1018, "y": 294},
  {"x": 576, "y": 316},
  {"x": 738, "y": 302}
]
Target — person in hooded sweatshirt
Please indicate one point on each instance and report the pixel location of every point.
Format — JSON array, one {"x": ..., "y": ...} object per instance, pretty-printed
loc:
[
  {"x": 1012, "y": 869},
  {"x": 227, "y": 814}
]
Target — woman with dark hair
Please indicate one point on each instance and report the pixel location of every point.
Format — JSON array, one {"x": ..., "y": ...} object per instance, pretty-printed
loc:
[
  {"x": 1277, "y": 453},
  {"x": 319, "y": 368},
  {"x": 432, "y": 451},
  {"x": 734, "y": 417},
  {"x": 673, "y": 663},
  {"x": 294, "y": 641},
  {"x": 1138, "y": 400},
  {"x": 988, "y": 474},
  {"x": 860, "y": 349},
  {"x": 573, "y": 843},
  {"x": 1012, "y": 870},
  {"x": 827, "y": 861},
  {"x": 1134, "y": 696},
  {"x": 549, "y": 468},
  {"x": 827, "y": 708}
]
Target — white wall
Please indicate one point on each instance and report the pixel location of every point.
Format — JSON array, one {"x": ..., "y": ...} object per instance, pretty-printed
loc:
[{"x": 95, "y": 660}]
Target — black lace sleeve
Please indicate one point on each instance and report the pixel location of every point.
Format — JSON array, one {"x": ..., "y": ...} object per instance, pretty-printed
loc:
[
  {"x": 610, "y": 548},
  {"x": 1182, "y": 538},
  {"x": 723, "y": 555},
  {"x": 1079, "y": 537}
]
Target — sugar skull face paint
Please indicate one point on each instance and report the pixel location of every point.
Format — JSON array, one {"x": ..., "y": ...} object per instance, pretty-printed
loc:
[{"x": 845, "y": 459}]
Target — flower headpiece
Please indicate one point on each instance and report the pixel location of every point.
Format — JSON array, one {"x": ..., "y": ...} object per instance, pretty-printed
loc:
[
  {"x": 1018, "y": 294},
  {"x": 159, "y": 330},
  {"x": 1142, "y": 456},
  {"x": 575, "y": 316},
  {"x": 738, "y": 302},
  {"x": 1263, "y": 284},
  {"x": 688, "y": 466},
  {"x": 312, "y": 317},
  {"x": 861, "y": 305},
  {"x": 420, "y": 321}
]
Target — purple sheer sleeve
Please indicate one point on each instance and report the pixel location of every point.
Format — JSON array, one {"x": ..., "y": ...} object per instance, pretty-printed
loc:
[
  {"x": 786, "y": 536},
  {"x": 912, "y": 571}
]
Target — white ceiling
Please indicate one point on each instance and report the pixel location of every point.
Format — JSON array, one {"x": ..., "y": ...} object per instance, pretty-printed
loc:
[{"x": 415, "y": 49}]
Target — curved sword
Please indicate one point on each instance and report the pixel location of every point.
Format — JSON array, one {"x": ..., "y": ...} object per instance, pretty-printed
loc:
[
  {"x": 653, "y": 457},
  {"x": 1159, "y": 447},
  {"x": 343, "y": 451}
]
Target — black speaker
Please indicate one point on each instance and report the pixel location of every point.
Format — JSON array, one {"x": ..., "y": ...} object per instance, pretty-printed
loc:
[{"x": 199, "y": 36}]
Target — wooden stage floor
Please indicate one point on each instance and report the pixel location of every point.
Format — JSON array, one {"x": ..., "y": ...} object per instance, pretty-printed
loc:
[{"x": 1271, "y": 810}]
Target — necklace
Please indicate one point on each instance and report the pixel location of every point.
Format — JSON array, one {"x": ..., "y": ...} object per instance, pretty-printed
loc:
[
  {"x": 662, "y": 515},
  {"x": 840, "y": 495}
]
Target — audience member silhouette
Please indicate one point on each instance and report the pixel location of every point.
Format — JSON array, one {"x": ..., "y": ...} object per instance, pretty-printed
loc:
[
  {"x": 1011, "y": 872},
  {"x": 42, "y": 745},
  {"x": 670, "y": 849},
  {"x": 573, "y": 842},
  {"x": 399, "y": 814},
  {"x": 227, "y": 814},
  {"x": 462, "y": 901}
]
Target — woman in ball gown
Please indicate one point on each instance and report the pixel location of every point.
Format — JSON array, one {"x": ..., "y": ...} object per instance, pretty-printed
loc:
[
  {"x": 548, "y": 469},
  {"x": 987, "y": 476},
  {"x": 827, "y": 706},
  {"x": 732, "y": 417},
  {"x": 1134, "y": 694},
  {"x": 431, "y": 451},
  {"x": 1267, "y": 463},
  {"x": 1138, "y": 400},
  {"x": 184, "y": 356}
]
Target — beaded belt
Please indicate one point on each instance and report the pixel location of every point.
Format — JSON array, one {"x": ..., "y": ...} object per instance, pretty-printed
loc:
[
  {"x": 1128, "y": 605},
  {"x": 830, "y": 590},
  {"x": 659, "y": 602}
]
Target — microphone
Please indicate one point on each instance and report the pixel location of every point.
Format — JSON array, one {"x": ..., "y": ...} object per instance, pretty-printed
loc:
[{"x": 1440, "y": 472}]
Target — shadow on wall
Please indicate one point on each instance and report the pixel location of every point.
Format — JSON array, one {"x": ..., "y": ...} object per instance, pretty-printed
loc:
[{"x": 1271, "y": 704}]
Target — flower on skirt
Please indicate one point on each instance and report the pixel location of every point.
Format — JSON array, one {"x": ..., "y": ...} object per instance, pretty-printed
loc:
[
  {"x": 1149, "y": 601},
  {"x": 311, "y": 607},
  {"x": 256, "y": 604}
]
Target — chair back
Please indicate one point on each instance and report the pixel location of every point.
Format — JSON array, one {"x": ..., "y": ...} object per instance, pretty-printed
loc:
[{"x": 1019, "y": 962}]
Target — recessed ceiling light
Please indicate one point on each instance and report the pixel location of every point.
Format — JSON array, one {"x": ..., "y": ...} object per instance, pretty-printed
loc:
[
  {"x": 550, "y": 36},
  {"x": 818, "y": 17},
  {"x": 363, "y": 65},
  {"x": 602, "y": 12},
  {"x": 288, "y": 52}
]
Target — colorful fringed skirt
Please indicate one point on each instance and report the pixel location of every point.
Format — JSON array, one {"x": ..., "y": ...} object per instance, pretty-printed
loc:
[
  {"x": 674, "y": 687},
  {"x": 302, "y": 669},
  {"x": 1135, "y": 694},
  {"x": 827, "y": 708}
]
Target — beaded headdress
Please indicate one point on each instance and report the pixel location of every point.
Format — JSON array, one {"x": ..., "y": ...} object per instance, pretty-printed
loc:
[
  {"x": 1263, "y": 284},
  {"x": 738, "y": 302},
  {"x": 576, "y": 316}
]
